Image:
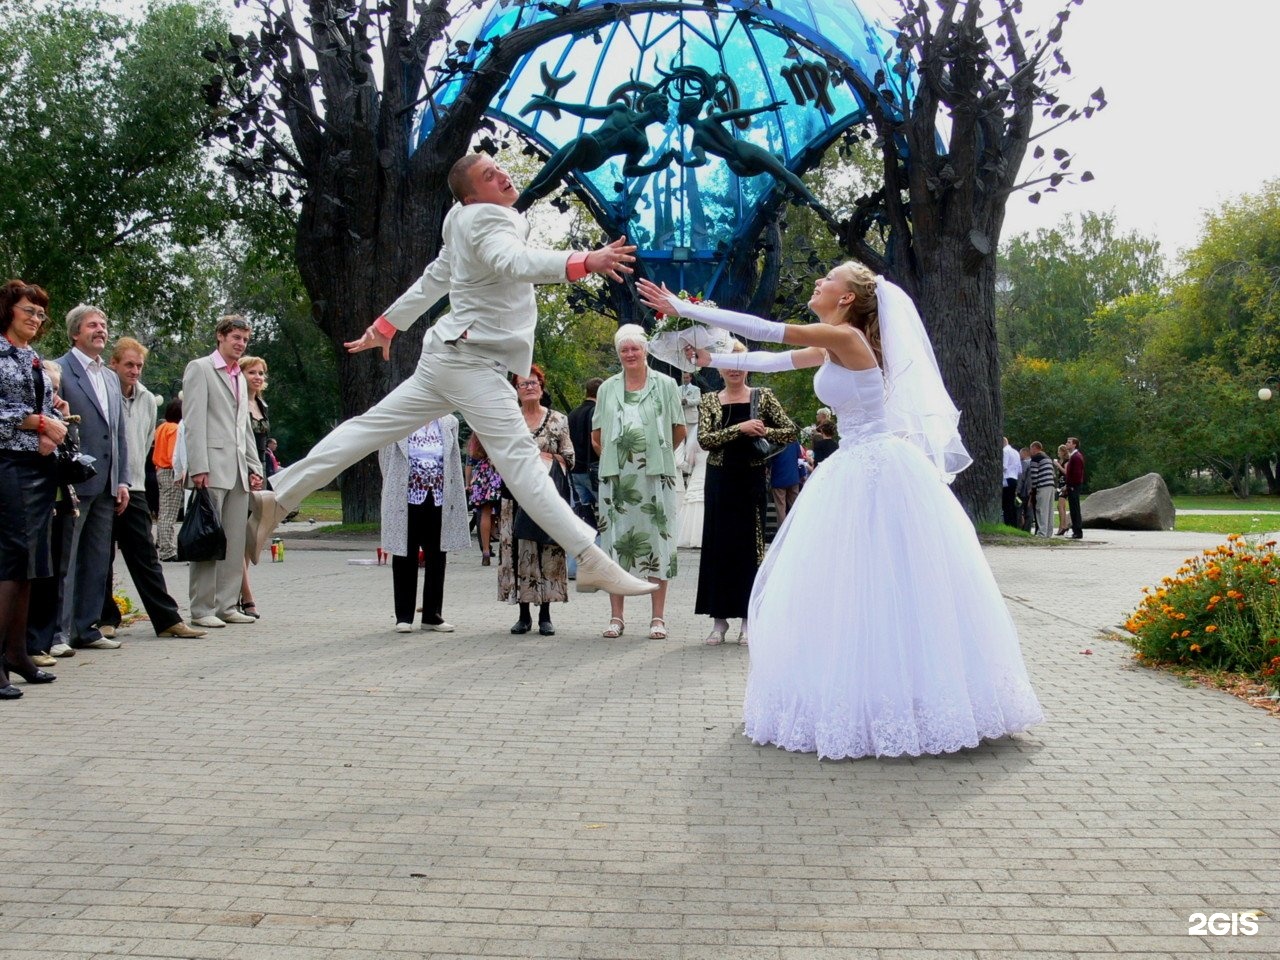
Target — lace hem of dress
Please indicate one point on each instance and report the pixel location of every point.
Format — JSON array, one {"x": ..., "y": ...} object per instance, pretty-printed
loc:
[{"x": 893, "y": 730}]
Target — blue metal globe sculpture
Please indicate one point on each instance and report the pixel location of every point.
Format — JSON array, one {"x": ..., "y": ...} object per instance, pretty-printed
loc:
[{"x": 751, "y": 101}]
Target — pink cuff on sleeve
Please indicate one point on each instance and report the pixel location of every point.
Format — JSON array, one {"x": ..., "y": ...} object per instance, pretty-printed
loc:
[
  {"x": 576, "y": 268},
  {"x": 384, "y": 327}
]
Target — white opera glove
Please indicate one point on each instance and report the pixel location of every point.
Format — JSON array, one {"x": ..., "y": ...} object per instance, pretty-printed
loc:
[
  {"x": 753, "y": 328},
  {"x": 757, "y": 361}
]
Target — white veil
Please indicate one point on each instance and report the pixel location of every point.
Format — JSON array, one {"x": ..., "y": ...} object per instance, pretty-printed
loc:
[{"x": 917, "y": 404}]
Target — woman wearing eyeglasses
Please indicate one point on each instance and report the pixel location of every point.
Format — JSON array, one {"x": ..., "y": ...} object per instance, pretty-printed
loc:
[
  {"x": 30, "y": 431},
  {"x": 530, "y": 571}
]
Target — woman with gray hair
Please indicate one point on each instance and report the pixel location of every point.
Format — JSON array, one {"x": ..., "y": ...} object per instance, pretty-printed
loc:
[{"x": 638, "y": 424}]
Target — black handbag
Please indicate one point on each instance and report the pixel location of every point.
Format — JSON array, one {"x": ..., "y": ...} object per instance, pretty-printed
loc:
[
  {"x": 70, "y": 466},
  {"x": 763, "y": 449},
  {"x": 523, "y": 526},
  {"x": 201, "y": 536}
]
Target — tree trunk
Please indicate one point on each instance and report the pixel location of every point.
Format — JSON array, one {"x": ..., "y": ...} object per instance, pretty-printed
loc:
[{"x": 957, "y": 304}]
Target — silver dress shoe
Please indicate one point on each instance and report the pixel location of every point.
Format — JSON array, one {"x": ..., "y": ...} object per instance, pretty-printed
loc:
[
  {"x": 209, "y": 622},
  {"x": 235, "y": 616},
  {"x": 102, "y": 643},
  {"x": 265, "y": 514},
  {"x": 108, "y": 631},
  {"x": 62, "y": 650},
  {"x": 597, "y": 571},
  {"x": 182, "y": 631}
]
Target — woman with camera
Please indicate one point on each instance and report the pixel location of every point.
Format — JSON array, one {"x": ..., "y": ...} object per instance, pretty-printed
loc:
[{"x": 30, "y": 431}]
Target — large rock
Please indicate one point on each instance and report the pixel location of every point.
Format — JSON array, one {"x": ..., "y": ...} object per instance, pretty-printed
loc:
[{"x": 1142, "y": 504}]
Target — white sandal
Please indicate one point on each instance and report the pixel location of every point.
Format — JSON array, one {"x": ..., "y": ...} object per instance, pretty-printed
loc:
[
  {"x": 612, "y": 631},
  {"x": 657, "y": 629}
]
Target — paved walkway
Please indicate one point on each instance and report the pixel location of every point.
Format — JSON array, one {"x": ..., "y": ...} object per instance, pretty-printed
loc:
[{"x": 317, "y": 787}]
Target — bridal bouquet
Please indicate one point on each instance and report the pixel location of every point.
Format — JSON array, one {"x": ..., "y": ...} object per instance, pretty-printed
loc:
[{"x": 673, "y": 334}]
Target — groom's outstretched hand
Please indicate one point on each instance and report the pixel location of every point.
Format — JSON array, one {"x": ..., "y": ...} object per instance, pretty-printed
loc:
[
  {"x": 612, "y": 259},
  {"x": 372, "y": 339}
]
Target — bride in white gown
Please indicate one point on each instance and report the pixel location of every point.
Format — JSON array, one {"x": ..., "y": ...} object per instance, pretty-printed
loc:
[{"x": 909, "y": 648}]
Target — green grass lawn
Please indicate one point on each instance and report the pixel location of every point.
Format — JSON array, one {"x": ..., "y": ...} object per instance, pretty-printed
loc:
[
  {"x": 1227, "y": 502},
  {"x": 1224, "y": 523},
  {"x": 323, "y": 505}
]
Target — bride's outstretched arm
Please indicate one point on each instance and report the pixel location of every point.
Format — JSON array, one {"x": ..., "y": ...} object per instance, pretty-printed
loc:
[
  {"x": 842, "y": 339},
  {"x": 760, "y": 361}
]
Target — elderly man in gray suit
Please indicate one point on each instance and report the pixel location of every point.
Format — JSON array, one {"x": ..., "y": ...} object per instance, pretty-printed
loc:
[
  {"x": 93, "y": 392},
  {"x": 488, "y": 270},
  {"x": 222, "y": 458}
]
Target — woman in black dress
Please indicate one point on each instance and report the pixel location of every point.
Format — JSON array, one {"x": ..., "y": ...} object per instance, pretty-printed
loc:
[{"x": 737, "y": 485}]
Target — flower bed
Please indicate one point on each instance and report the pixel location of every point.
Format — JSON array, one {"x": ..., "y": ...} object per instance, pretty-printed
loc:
[{"x": 1220, "y": 611}]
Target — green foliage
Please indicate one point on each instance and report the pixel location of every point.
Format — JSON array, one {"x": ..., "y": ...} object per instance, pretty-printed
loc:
[
  {"x": 1052, "y": 283},
  {"x": 1231, "y": 289},
  {"x": 1049, "y": 400},
  {"x": 1220, "y": 610},
  {"x": 106, "y": 192}
]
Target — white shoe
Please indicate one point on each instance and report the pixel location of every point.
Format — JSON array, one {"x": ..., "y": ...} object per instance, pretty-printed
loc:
[
  {"x": 596, "y": 571},
  {"x": 102, "y": 643},
  {"x": 209, "y": 622},
  {"x": 61, "y": 650},
  {"x": 443, "y": 626},
  {"x": 265, "y": 514},
  {"x": 404, "y": 628},
  {"x": 235, "y": 616}
]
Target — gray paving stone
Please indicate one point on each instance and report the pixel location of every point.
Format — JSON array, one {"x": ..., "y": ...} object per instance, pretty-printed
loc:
[{"x": 316, "y": 786}]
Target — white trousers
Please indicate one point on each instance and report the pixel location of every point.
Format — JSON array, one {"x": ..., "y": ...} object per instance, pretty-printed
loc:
[
  {"x": 453, "y": 379},
  {"x": 215, "y": 584}
]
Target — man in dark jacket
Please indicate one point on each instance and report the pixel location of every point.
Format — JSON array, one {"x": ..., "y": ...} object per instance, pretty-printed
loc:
[{"x": 1075, "y": 480}]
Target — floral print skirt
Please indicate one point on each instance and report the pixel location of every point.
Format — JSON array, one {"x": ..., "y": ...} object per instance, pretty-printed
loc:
[{"x": 639, "y": 518}]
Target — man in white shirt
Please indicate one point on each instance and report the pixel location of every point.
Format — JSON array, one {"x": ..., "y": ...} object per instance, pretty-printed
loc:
[
  {"x": 488, "y": 271},
  {"x": 93, "y": 393},
  {"x": 1009, "y": 492}
]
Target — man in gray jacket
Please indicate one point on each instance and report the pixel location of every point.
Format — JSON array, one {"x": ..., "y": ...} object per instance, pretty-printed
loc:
[{"x": 93, "y": 393}]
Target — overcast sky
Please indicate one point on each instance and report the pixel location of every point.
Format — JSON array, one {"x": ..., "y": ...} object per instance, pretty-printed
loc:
[{"x": 1190, "y": 120}]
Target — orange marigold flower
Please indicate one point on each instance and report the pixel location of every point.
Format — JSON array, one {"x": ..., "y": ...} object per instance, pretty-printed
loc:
[
  {"x": 1273, "y": 581},
  {"x": 1179, "y": 616},
  {"x": 1211, "y": 628},
  {"x": 1195, "y": 648},
  {"x": 1186, "y": 633},
  {"x": 1239, "y": 606}
]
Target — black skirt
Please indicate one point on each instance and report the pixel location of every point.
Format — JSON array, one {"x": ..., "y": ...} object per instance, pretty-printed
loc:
[
  {"x": 27, "y": 492},
  {"x": 732, "y": 528}
]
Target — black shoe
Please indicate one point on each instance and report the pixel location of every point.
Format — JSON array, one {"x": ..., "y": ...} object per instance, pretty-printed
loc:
[
  {"x": 546, "y": 629},
  {"x": 522, "y": 626},
  {"x": 10, "y": 692},
  {"x": 1075, "y": 536},
  {"x": 38, "y": 676}
]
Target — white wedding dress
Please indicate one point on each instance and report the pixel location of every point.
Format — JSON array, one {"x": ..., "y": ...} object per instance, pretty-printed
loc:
[{"x": 876, "y": 625}]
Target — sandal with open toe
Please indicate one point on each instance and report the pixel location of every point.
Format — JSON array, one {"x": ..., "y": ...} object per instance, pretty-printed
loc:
[
  {"x": 657, "y": 629},
  {"x": 714, "y": 638},
  {"x": 615, "y": 628}
]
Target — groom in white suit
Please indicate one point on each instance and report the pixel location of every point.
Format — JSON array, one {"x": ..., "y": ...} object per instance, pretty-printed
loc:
[{"x": 488, "y": 271}]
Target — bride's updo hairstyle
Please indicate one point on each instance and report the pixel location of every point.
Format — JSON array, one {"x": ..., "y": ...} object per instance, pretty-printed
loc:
[{"x": 864, "y": 312}]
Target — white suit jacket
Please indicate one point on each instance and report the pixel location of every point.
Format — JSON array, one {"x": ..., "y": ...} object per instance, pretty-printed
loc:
[
  {"x": 219, "y": 437},
  {"x": 487, "y": 270}
]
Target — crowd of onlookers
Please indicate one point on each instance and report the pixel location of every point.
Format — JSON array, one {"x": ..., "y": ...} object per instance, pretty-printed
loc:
[
  {"x": 651, "y": 464},
  {"x": 86, "y": 473},
  {"x": 1034, "y": 483}
]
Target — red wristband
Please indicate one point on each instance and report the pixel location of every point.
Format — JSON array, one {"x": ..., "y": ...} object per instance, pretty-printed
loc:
[
  {"x": 384, "y": 327},
  {"x": 40, "y": 425},
  {"x": 576, "y": 268}
]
